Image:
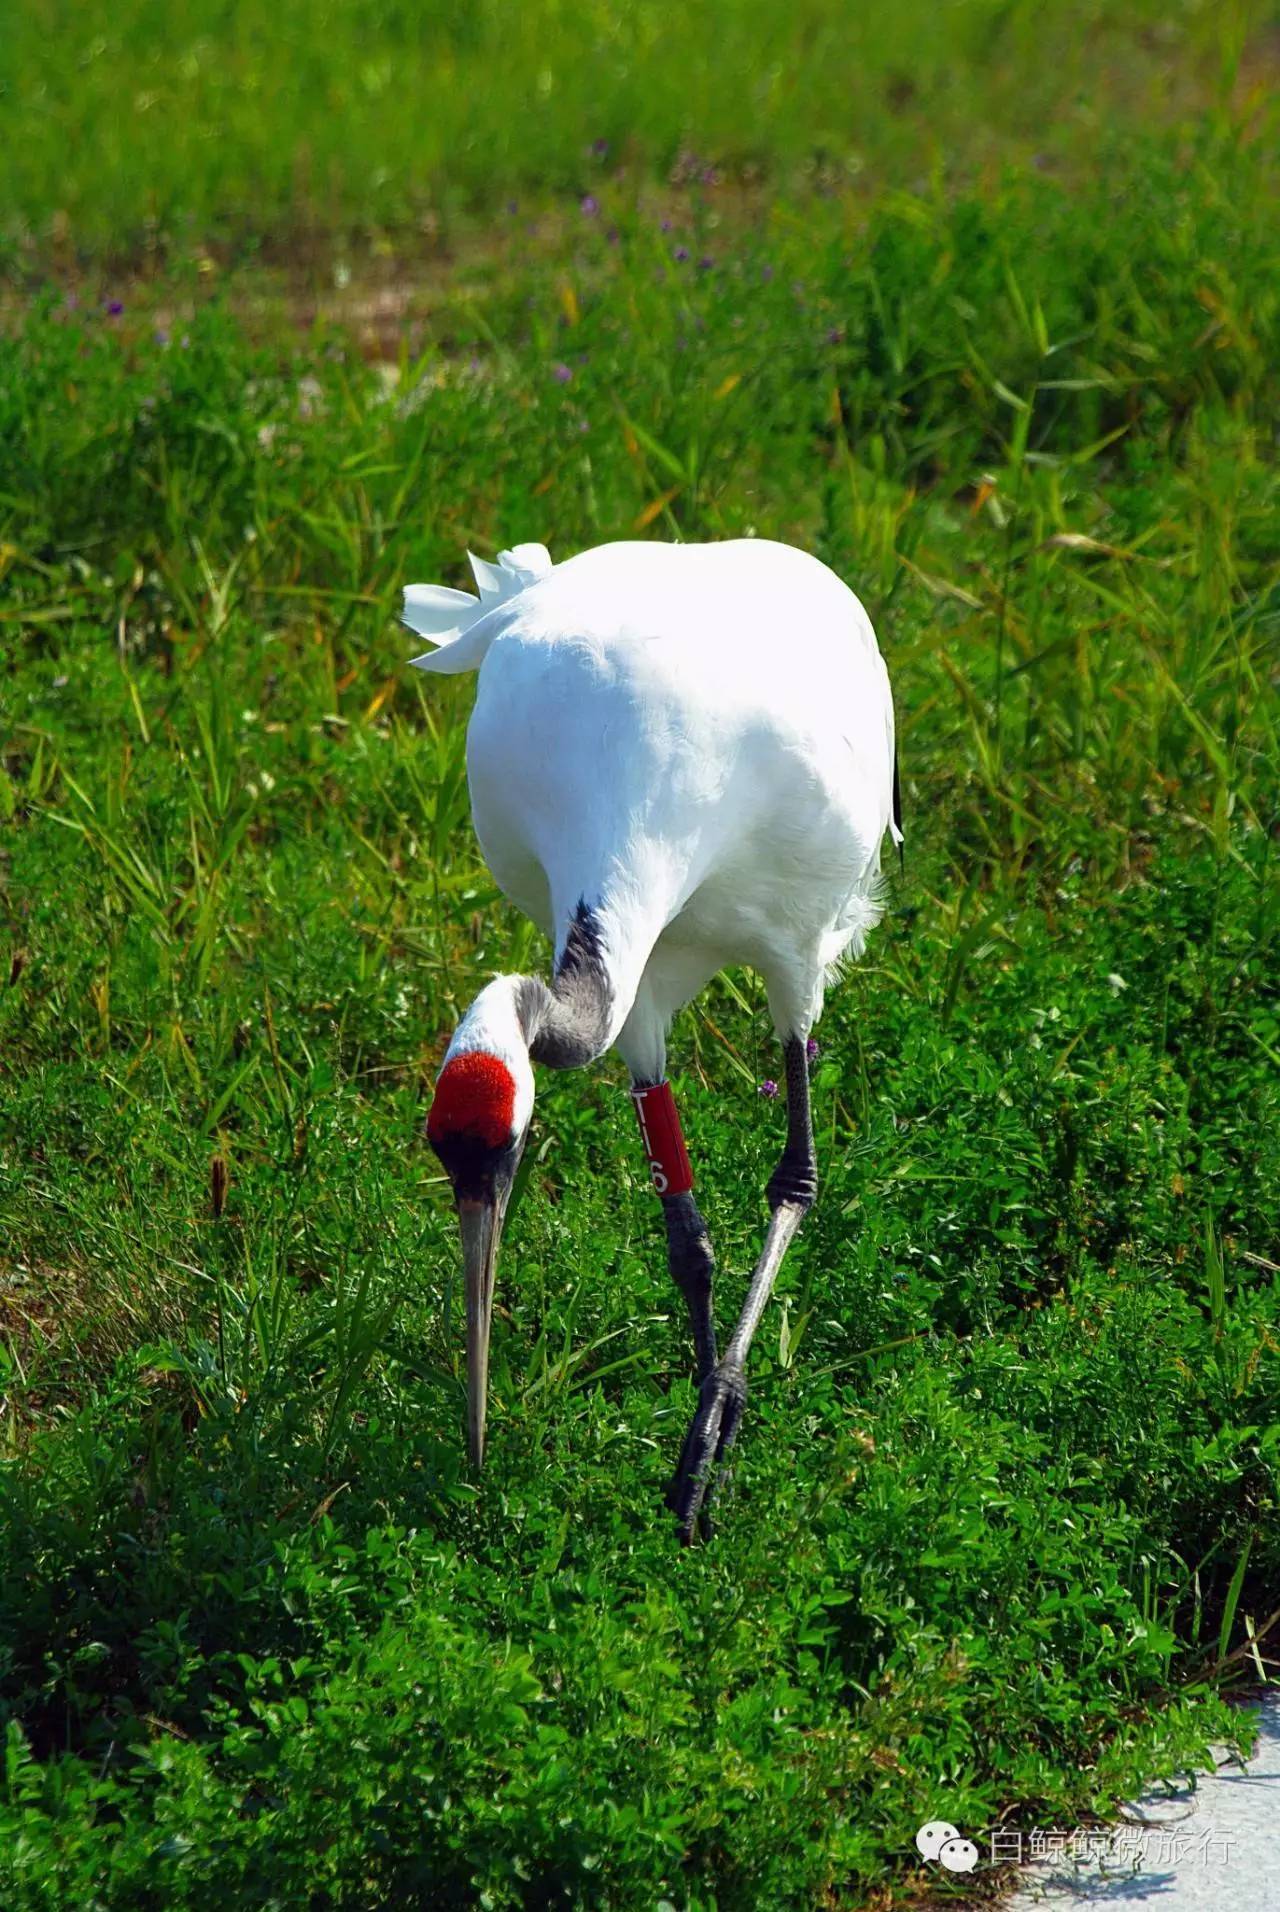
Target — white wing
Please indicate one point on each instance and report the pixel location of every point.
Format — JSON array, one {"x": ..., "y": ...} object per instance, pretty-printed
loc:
[{"x": 463, "y": 626}]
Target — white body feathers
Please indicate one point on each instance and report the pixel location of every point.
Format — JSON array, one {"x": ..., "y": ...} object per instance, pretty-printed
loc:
[{"x": 695, "y": 740}]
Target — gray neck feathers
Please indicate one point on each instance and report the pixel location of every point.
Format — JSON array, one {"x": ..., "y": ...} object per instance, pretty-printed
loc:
[{"x": 566, "y": 1022}]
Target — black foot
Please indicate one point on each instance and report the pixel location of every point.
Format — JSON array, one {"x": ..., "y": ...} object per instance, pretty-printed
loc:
[{"x": 721, "y": 1399}]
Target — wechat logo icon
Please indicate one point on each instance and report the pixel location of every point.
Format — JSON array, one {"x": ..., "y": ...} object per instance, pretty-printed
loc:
[{"x": 940, "y": 1841}]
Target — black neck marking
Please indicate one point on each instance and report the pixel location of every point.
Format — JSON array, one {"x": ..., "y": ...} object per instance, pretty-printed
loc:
[{"x": 567, "y": 1024}]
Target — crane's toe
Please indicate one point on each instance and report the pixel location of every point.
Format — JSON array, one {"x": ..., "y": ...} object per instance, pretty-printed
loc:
[{"x": 721, "y": 1399}]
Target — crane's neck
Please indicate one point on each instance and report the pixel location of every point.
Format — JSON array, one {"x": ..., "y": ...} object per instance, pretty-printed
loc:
[
  {"x": 565, "y": 1023},
  {"x": 570, "y": 1021}
]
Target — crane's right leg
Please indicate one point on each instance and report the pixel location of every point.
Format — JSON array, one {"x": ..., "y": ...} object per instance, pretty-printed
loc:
[
  {"x": 692, "y": 1266},
  {"x": 792, "y": 1188},
  {"x": 689, "y": 1255},
  {"x": 643, "y": 1047}
]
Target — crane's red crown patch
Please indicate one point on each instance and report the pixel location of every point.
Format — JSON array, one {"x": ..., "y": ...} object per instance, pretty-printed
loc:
[{"x": 475, "y": 1095}]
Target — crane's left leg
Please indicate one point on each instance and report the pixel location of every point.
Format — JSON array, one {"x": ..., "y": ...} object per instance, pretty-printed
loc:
[{"x": 793, "y": 1187}]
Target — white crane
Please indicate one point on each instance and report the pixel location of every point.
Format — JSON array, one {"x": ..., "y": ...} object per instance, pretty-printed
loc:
[{"x": 680, "y": 757}]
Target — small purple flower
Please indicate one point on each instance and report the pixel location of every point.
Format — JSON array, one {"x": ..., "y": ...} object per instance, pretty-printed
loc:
[
  {"x": 114, "y": 308},
  {"x": 766, "y": 273},
  {"x": 710, "y": 176},
  {"x": 705, "y": 263},
  {"x": 513, "y": 207},
  {"x": 666, "y": 226},
  {"x": 813, "y": 1049},
  {"x": 680, "y": 254},
  {"x": 835, "y": 335},
  {"x": 613, "y": 236},
  {"x": 561, "y": 373},
  {"x": 768, "y": 1089},
  {"x": 162, "y": 337},
  {"x": 600, "y": 147},
  {"x": 589, "y": 205}
]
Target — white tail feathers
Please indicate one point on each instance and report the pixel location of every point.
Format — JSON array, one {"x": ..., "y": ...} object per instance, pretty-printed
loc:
[{"x": 462, "y": 626}]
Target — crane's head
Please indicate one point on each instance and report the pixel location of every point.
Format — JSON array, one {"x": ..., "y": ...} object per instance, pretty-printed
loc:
[{"x": 477, "y": 1126}]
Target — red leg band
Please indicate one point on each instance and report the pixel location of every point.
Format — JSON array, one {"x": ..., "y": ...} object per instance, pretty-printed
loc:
[{"x": 663, "y": 1141}]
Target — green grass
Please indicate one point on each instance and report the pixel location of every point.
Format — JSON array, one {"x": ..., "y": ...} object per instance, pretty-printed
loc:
[
  {"x": 1003, "y": 1516},
  {"x": 137, "y": 128}
]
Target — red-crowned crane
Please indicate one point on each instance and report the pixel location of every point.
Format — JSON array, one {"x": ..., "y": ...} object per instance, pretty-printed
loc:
[{"x": 681, "y": 756}]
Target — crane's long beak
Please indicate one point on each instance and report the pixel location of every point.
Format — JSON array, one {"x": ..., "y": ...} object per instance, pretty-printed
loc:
[{"x": 481, "y": 1223}]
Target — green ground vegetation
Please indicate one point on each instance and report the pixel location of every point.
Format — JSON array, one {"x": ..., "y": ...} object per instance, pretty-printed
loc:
[
  {"x": 141, "y": 126},
  {"x": 1002, "y": 1522}
]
